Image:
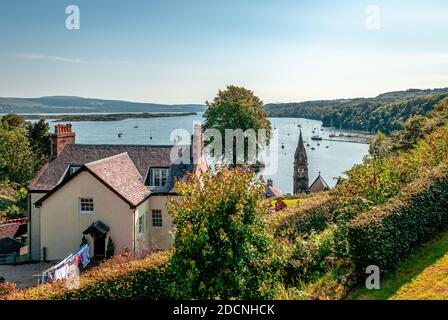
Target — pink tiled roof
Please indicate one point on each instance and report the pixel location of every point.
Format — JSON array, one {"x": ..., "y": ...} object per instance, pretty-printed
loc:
[
  {"x": 120, "y": 174},
  {"x": 9, "y": 230}
]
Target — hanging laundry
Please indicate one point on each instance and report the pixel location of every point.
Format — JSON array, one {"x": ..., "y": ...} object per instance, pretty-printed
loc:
[
  {"x": 84, "y": 253},
  {"x": 62, "y": 270}
]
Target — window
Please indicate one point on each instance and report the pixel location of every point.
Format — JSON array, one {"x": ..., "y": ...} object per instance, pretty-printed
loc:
[
  {"x": 86, "y": 205},
  {"x": 141, "y": 226},
  {"x": 156, "y": 218},
  {"x": 159, "y": 177},
  {"x": 73, "y": 169}
]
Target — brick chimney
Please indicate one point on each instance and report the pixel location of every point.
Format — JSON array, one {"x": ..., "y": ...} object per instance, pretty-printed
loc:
[
  {"x": 62, "y": 136},
  {"x": 197, "y": 149}
]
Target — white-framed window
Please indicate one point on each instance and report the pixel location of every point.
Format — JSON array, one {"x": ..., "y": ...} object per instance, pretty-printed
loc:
[
  {"x": 158, "y": 177},
  {"x": 86, "y": 206},
  {"x": 157, "y": 218},
  {"x": 141, "y": 224},
  {"x": 73, "y": 169}
]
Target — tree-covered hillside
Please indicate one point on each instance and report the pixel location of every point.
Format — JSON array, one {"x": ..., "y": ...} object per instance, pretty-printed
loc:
[{"x": 385, "y": 112}]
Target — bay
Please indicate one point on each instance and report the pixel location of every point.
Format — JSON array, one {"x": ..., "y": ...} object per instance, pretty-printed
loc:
[{"x": 330, "y": 158}]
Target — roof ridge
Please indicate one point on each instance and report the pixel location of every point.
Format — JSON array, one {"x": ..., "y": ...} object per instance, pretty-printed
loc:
[
  {"x": 109, "y": 158},
  {"x": 125, "y": 145}
]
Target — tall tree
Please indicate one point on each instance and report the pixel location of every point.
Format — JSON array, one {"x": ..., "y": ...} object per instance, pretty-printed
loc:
[
  {"x": 17, "y": 162},
  {"x": 237, "y": 108},
  {"x": 40, "y": 140}
]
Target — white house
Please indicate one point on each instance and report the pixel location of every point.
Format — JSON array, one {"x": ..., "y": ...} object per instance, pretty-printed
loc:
[{"x": 102, "y": 191}]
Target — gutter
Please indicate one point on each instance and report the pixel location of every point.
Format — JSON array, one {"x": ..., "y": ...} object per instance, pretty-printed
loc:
[{"x": 133, "y": 224}]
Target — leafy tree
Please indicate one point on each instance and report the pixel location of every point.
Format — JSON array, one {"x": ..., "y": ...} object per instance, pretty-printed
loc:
[
  {"x": 16, "y": 157},
  {"x": 237, "y": 108},
  {"x": 40, "y": 140},
  {"x": 13, "y": 120},
  {"x": 222, "y": 248}
]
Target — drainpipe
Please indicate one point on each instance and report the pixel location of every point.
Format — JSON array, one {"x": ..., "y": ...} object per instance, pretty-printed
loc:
[
  {"x": 133, "y": 224},
  {"x": 29, "y": 225}
]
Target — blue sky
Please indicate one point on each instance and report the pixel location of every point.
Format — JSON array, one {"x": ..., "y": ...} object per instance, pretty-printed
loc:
[{"x": 170, "y": 51}]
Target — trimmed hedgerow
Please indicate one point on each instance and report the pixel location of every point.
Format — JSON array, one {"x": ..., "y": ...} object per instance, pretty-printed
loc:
[
  {"x": 384, "y": 235},
  {"x": 113, "y": 280},
  {"x": 313, "y": 214}
]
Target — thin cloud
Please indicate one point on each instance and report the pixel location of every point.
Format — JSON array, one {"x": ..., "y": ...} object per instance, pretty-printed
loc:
[{"x": 38, "y": 56}]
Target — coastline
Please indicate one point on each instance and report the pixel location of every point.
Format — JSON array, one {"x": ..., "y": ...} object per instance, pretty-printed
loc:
[{"x": 107, "y": 117}]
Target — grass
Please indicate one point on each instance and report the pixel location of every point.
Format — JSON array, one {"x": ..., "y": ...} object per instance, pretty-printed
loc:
[
  {"x": 431, "y": 284},
  {"x": 426, "y": 261},
  {"x": 289, "y": 202}
]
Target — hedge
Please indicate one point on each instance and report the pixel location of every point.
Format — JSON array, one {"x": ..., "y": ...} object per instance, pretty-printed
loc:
[
  {"x": 384, "y": 235},
  {"x": 113, "y": 280},
  {"x": 311, "y": 214}
]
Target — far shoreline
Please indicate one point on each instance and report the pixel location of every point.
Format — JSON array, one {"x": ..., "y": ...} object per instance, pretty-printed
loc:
[{"x": 106, "y": 117}]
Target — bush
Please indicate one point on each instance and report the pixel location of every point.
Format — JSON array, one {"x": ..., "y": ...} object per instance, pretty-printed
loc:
[
  {"x": 384, "y": 235},
  {"x": 308, "y": 260},
  {"x": 222, "y": 247},
  {"x": 313, "y": 214},
  {"x": 115, "y": 279},
  {"x": 110, "y": 249}
]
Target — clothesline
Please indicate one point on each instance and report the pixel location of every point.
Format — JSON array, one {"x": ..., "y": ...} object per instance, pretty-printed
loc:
[{"x": 68, "y": 265}]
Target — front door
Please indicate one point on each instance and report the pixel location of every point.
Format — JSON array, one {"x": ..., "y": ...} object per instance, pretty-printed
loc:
[{"x": 99, "y": 246}]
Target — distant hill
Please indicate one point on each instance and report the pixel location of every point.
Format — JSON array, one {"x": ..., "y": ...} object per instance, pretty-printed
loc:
[
  {"x": 385, "y": 112},
  {"x": 67, "y": 104}
]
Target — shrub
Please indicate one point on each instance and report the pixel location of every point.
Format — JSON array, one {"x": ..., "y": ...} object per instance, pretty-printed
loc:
[
  {"x": 6, "y": 288},
  {"x": 384, "y": 235},
  {"x": 308, "y": 260},
  {"x": 115, "y": 279},
  {"x": 313, "y": 214},
  {"x": 222, "y": 247},
  {"x": 110, "y": 249}
]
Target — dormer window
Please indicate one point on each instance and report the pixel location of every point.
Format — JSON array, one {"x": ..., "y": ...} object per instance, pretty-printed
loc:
[
  {"x": 158, "y": 177},
  {"x": 73, "y": 169}
]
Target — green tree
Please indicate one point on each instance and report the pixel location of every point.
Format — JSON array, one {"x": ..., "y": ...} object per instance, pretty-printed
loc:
[
  {"x": 17, "y": 163},
  {"x": 222, "y": 248},
  {"x": 40, "y": 140},
  {"x": 13, "y": 120},
  {"x": 237, "y": 108},
  {"x": 110, "y": 248}
]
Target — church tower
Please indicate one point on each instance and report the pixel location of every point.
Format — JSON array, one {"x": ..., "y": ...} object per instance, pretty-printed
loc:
[{"x": 300, "y": 168}]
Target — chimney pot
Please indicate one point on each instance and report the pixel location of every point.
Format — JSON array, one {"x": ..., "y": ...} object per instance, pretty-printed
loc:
[{"x": 62, "y": 136}]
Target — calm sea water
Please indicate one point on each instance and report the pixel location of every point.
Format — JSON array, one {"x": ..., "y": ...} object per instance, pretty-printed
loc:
[{"x": 331, "y": 162}]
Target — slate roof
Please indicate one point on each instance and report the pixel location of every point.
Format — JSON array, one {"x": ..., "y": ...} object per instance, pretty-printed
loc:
[
  {"x": 97, "y": 227},
  {"x": 273, "y": 192},
  {"x": 319, "y": 185},
  {"x": 143, "y": 156},
  {"x": 120, "y": 174},
  {"x": 8, "y": 245}
]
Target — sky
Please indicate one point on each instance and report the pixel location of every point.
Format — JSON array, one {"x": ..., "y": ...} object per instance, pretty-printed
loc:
[{"x": 184, "y": 51}]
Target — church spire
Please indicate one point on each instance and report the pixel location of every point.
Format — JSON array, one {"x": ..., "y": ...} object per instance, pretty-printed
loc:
[{"x": 300, "y": 177}]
